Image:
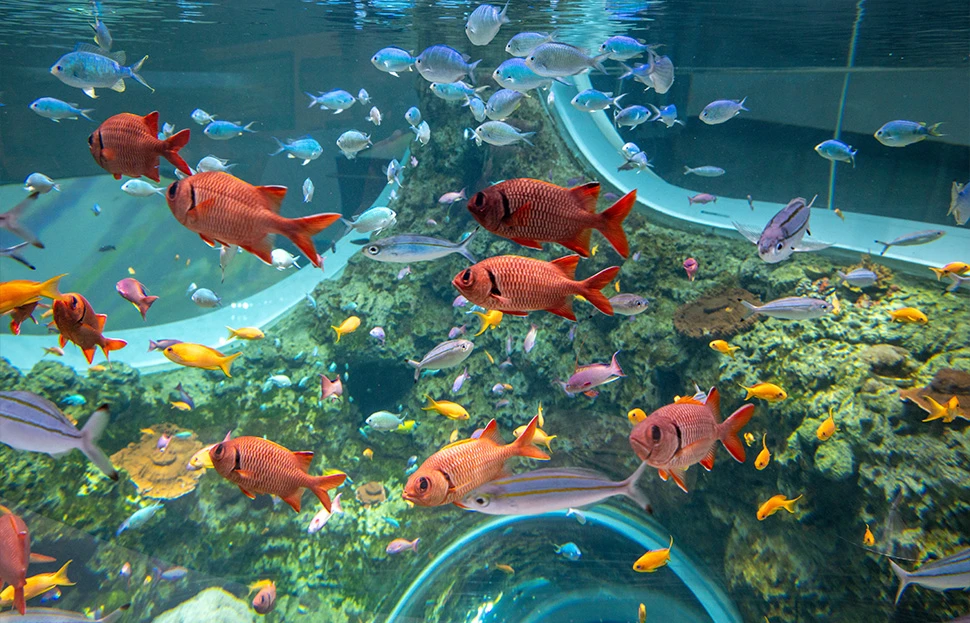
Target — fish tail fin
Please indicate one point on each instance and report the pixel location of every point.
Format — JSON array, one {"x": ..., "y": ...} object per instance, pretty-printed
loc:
[
  {"x": 630, "y": 489},
  {"x": 337, "y": 330},
  {"x": 885, "y": 246},
  {"x": 134, "y": 69},
  {"x": 301, "y": 231},
  {"x": 597, "y": 62},
  {"x": 934, "y": 130},
  {"x": 89, "y": 439},
  {"x": 590, "y": 289},
  {"x": 525, "y": 137},
  {"x": 84, "y": 113},
  {"x": 728, "y": 431},
  {"x": 145, "y": 305},
  {"x": 463, "y": 248},
  {"x": 49, "y": 289},
  {"x": 321, "y": 484},
  {"x": 937, "y": 411},
  {"x": 232, "y": 333},
  {"x": 60, "y": 578},
  {"x": 939, "y": 272},
  {"x": 280, "y": 145},
  {"x": 615, "y": 368},
  {"x": 171, "y": 147},
  {"x": 748, "y": 309},
  {"x": 20, "y": 600},
  {"x": 611, "y": 224},
  {"x": 471, "y": 71},
  {"x": 523, "y": 445},
  {"x": 628, "y": 73},
  {"x": 903, "y": 576},
  {"x": 414, "y": 544},
  {"x": 226, "y": 363}
]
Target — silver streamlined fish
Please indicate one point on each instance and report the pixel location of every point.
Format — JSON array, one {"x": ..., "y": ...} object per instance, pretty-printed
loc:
[
  {"x": 784, "y": 233},
  {"x": 790, "y": 308},
  {"x": 10, "y": 220},
  {"x": 908, "y": 240},
  {"x": 53, "y": 615},
  {"x": 406, "y": 248},
  {"x": 445, "y": 355},
  {"x": 32, "y": 423},
  {"x": 951, "y": 572},
  {"x": 546, "y": 490}
]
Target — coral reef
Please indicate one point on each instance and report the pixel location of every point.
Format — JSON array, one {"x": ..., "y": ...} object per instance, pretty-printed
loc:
[
  {"x": 716, "y": 315},
  {"x": 213, "y": 605},
  {"x": 946, "y": 384},
  {"x": 160, "y": 474}
]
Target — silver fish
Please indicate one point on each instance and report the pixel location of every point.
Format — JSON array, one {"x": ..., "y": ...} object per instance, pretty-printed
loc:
[
  {"x": 90, "y": 67},
  {"x": 502, "y": 104},
  {"x": 516, "y": 75},
  {"x": 784, "y": 233},
  {"x": 901, "y": 133},
  {"x": 907, "y": 240},
  {"x": 102, "y": 36},
  {"x": 836, "y": 151},
  {"x": 34, "y": 424},
  {"x": 547, "y": 490},
  {"x": 859, "y": 278},
  {"x": 204, "y": 297},
  {"x": 791, "y": 308},
  {"x": 53, "y": 615},
  {"x": 406, "y": 248},
  {"x": 10, "y": 220},
  {"x": 138, "y": 518},
  {"x": 720, "y": 111},
  {"x": 944, "y": 574},
  {"x": 308, "y": 190},
  {"x": 628, "y": 304},
  {"x": 484, "y": 23},
  {"x": 960, "y": 203},
  {"x": 705, "y": 171},
  {"x": 447, "y": 354},
  {"x": 500, "y": 133},
  {"x": 440, "y": 63},
  {"x": 554, "y": 60},
  {"x": 521, "y": 44}
]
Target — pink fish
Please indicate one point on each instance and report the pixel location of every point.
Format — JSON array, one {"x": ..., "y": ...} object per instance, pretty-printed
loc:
[
  {"x": 593, "y": 375},
  {"x": 378, "y": 334},
  {"x": 676, "y": 436},
  {"x": 530, "y": 339},
  {"x": 460, "y": 301},
  {"x": 691, "y": 266},
  {"x": 459, "y": 381},
  {"x": 401, "y": 545},
  {"x": 404, "y": 272},
  {"x": 330, "y": 389},
  {"x": 701, "y": 198},
  {"x": 163, "y": 442},
  {"x": 135, "y": 293},
  {"x": 452, "y": 197},
  {"x": 456, "y": 331}
]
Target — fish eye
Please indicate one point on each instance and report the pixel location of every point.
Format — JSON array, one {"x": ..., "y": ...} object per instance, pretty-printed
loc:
[
  {"x": 479, "y": 199},
  {"x": 373, "y": 250},
  {"x": 59, "y": 68},
  {"x": 481, "y": 501},
  {"x": 423, "y": 483},
  {"x": 217, "y": 451},
  {"x": 173, "y": 189},
  {"x": 779, "y": 246},
  {"x": 655, "y": 433},
  {"x": 91, "y": 140},
  {"x": 466, "y": 276}
]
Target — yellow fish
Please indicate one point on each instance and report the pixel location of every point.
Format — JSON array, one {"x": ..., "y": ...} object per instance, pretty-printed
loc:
[
  {"x": 764, "y": 457},
  {"x": 97, "y": 368},
  {"x": 953, "y": 268},
  {"x": 368, "y": 454},
  {"x": 15, "y": 294},
  {"x": 347, "y": 326},
  {"x": 38, "y": 585},
  {"x": 201, "y": 459},
  {"x": 131, "y": 271},
  {"x": 908, "y": 314},
  {"x": 451, "y": 410},
  {"x": 774, "y": 504},
  {"x": 405, "y": 427},
  {"x": 653, "y": 559},
  {"x": 246, "y": 333},
  {"x": 836, "y": 304},
  {"x": 642, "y": 614},
  {"x": 724, "y": 348},
  {"x": 636, "y": 416},
  {"x": 490, "y": 358},
  {"x": 768, "y": 392},
  {"x": 259, "y": 585},
  {"x": 180, "y": 405},
  {"x": 56, "y": 351},
  {"x": 453, "y": 437},
  {"x": 199, "y": 356},
  {"x": 947, "y": 412},
  {"x": 542, "y": 420},
  {"x": 748, "y": 439},
  {"x": 839, "y": 214},
  {"x": 867, "y": 538},
  {"x": 540, "y": 438},
  {"x": 827, "y": 428},
  {"x": 592, "y": 252},
  {"x": 616, "y": 286},
  {"x": 490, "y": 320},
  {"x": 188, "y": 261},
  {"x": 147, "y": 431},
  {"x": 506, "y": 569}
]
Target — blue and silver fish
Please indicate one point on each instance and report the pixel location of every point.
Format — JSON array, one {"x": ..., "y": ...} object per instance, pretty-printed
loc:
[
  {"x": 413, "y": 116},
  {"x": 907, "y": 240},
  {"x": 445, "y": 355},
  {"x": 34, "y": 424},
  {"x": 784, "y": 233},
  {"x": 139, "y": 518},
  {"x": 336, "y": 100},
  {"x": 516, "y": 75},
  {"x": 523, "y": 43},
  {"x": 570, "y": 551},
  {"x": 836, "y": 151},
  {"x": 657, "y": 74},
  {"x": 902, "y": 133},
  {"x": 592, "y": 100},
  {"x": 704, "y": 171},
  {"x": 632, "y": 116},
  {"x": 373, "y": 220},
  {"x": 393, "y": 60},
  {"x": 623, "y": 48},
  {"x": 460, "y": 380},
  {"x": 484, "y": 23},
  {"x": 666, "y": 115},
  {"x": 952, "y": 572},
  {"x": 384, "y": 421},
  {"x": 89, "y": 67},
  {"x": 790, "y": 308},
  {"x": 457, "y": 91},
  {"x": 720, "y": 111},
  {"x": 960, "y": 203},
  {"x": 225, "y": 130},
  {"x": 407, "y": 248},
  {"x": 555, "y": 60},
  {"x": 305, "y": 149},
  {"x": 73, "y": 400},
  {"x": 501, "y": 134},
  {"x": 858, "y": 278},
  {"x": 55, "y": 109},
  {"x": 440, "y": 63},
  {"x": 477, "y": 106},
  {"x": 503, "y": 103}
]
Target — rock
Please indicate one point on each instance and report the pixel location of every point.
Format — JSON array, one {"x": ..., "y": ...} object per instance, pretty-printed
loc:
[
  {"x": 716, "y": 315},
  {"x": 212, "y": 605},
  {"x": 834, "y": 460},
  {"x": 887, "y": 360}
]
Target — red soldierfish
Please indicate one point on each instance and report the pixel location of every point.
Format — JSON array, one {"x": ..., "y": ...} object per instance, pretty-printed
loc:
[
  {"x": 450, "y": 473},
  {"x": 257, "y": 465},
  {"x": 514, "y": 285},
  {"x": 676, "y": 436},
  {"x": 15, "y": 555},
  {"x": 226, "y": 210},
  {"x": 531, "y": 212},
  {"x": 127, "y": 144},
  {"x": 134, "y": 292},
  {"x": 78, "y": 323},
  {"x": 19, "y": 314}
]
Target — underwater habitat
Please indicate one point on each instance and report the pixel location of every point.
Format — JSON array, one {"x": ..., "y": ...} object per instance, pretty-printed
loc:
[{"x": 540, "y": 311}]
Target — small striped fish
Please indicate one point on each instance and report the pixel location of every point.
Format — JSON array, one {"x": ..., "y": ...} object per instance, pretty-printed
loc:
[
  {"x": 32, "y": 423},
  {"x": 952, "y": 572},
  {"x": 546, "y": 490}
]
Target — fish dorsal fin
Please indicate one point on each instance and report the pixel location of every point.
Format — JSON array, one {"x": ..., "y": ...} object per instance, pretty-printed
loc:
[
  {"x": 460, "y": 442},
  {"x": 303, "y": 460},
  {"x": 119, "y": 57},
  {"x": 274, "y": 196},
  {"x": 491, "y": 433},
  {"x": 101, "y": 320},
  {"x": 713, "y": 402},
  {"x": 567, "y": 265},
  {"x": 586, "y": 195},
  {"x": 151, "y": 122}
]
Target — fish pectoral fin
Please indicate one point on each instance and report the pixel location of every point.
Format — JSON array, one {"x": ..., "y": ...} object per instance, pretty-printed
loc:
[
  {"x": 243, "y": 473},
  {"x": 119, "y": 86},
  {"x": 207, "y": 240},
  {"x": 90, "y": 93},
  {"x": 88, "y": 354},
  {"x": 263, "y": 251},
  {"x": 527, "y": 243},
  {"x": 247, "y": 493},
  {"x": 810, "y": 245},
  {"x": 294, "y": 499},
  {"x": 35, "y": 557},
  {"x": 565, "y": 310},
  {"x": 708, "y": 461},
  {"x": 753, "y": 235},
  {"x": 664, "y": 475},
  {"x": 679, "y": 479}
]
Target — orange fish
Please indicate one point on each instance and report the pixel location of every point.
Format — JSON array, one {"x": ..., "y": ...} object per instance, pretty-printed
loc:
[
  {"x": 19, "y": 314},
  {"x": 15, "y": 555},
  {"x": 515, "y": 285},
  {"x": 531, "y": 212},
  {"x": 134, "y": 292},
  {"x": 78, "y": 323},
  {"x": 127, "y": 144},
  {"x": 226, "y": 210},
  {"x": 448, "y": 474},
  {"x": 257, "y": 465},
  {"x": 676, "y": 436}
]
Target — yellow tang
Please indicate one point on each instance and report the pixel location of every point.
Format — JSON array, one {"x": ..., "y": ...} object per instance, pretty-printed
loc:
[
  {"x": 654, "y": 559},
  {"x": 38, "y": 585},
  {"x": 774, "y": 504},
  {"x": 406, "y": 426},
  {"x": 199, "y": 356},
  {"x": 14, "y": 294},
  {"x": 724, "y": 348},
  {"x": 764, "y": 457},
  {"x": 246, "y": 333},
  {"x": 347, "y": 326},
  {"x": 490, "y": 320},
  {"x": 451, "y": 410},
  {"x": 827, "y": 428},
  {"x": 768, "y": 392}
]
